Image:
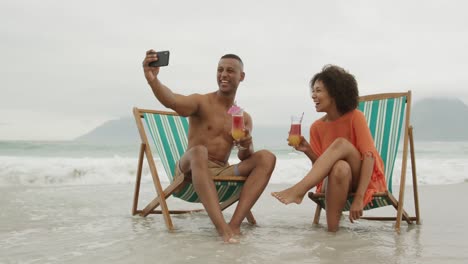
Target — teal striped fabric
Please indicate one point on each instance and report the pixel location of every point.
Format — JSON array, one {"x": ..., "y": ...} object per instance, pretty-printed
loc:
[
  {"x": 169, "y": 134},
  {"x": 385, "y": 120}
]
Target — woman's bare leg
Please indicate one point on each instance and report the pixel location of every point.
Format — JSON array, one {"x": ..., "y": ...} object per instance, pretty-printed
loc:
[
  {"x": 340, "y": 149},
  {"x": 336, "y": 194}
]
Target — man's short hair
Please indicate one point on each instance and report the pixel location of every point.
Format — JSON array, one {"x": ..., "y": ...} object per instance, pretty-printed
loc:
[{"x": 233, "y": 56}]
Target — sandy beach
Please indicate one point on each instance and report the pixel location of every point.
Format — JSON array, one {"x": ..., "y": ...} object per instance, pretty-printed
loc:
[{"x": 92, "y": 224}]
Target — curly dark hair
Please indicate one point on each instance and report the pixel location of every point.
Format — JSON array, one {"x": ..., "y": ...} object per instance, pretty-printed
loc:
[{"x": 340, "y": 85}]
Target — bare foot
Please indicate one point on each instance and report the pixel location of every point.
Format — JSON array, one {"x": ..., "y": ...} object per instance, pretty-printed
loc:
[
  {"x": 228, "y": 235},
  {"x": 235, "y": 229},
  {"x": 288, "y": 196},
  {"x": 231, "y": 241}
]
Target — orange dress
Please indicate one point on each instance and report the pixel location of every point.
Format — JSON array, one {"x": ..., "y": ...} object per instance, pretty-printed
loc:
[{"x": 353, "y": 127}]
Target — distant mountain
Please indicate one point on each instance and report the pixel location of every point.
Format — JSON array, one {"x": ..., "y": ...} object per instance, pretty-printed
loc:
[
  {"x": 436, "y": 119},
  {"x": 121, "y": 131},
  {"x": 440, "y": 119}
]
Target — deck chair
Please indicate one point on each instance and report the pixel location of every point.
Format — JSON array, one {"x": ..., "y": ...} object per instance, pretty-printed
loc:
[
  {"x": 168, "y": 132},
  {"x": 387, "y": 115}
]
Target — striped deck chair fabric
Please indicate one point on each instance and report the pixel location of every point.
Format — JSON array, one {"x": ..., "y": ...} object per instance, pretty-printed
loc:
[
  {"x": 169, "y": 134},
  {"x": 385, "y": 120}
]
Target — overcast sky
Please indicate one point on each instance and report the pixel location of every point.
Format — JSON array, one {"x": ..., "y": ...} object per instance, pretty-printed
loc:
[{"x": 68, "y": 66}]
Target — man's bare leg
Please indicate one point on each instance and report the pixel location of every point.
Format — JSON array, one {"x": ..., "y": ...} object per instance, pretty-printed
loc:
[
  {"x": 259, "y": 168},
  {"x": 340, "y": 149},
  {"x": 339, "y": 182},
  {"x": 196, "y": 161}
]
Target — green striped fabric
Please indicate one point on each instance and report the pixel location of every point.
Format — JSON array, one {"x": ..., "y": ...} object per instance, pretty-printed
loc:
[
  {"x": 385, "y": 120},
  {"x": 169, "y": 134}
]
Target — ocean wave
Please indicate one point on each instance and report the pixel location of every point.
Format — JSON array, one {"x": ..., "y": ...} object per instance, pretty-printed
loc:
[
  {"x": 41, "y": 171},
  {"x": 290, "y": 168}
]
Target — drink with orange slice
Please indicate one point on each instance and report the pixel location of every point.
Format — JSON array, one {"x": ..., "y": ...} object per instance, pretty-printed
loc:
[
  {"x": 294, "y": 138},
  {"x": 295, "y": 135},
  {"x": 237, "y": 125},
  {"x": 237, "y": 130}
]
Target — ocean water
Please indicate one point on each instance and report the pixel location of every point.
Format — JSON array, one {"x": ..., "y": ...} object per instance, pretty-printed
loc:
[
  {"x": 71, "y": 163},
  {"x": 64, "y": 202}
]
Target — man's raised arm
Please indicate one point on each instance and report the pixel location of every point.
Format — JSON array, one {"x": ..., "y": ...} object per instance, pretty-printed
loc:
[{"x": 183, "y": 105}]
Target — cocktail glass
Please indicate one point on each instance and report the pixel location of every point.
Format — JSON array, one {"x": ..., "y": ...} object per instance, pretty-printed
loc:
[
  {"x": 237, "y": 130},
  {"x": 294, "y": 138}
]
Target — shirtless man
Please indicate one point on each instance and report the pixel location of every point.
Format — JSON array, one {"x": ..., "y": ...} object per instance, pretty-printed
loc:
[{"x": 210, "y": 142}]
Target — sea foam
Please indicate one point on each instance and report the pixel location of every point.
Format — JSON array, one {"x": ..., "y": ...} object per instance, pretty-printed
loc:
[{"x": 43, "y": 171}]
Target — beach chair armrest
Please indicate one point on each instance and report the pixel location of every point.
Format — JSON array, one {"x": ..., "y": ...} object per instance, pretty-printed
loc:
[{"x": 230, "y": 178}]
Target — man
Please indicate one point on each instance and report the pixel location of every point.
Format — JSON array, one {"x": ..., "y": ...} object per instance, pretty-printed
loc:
[{"x": 210, "y": 142}]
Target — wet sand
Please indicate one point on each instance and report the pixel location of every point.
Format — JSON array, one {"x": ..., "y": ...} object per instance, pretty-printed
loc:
[{"x": 92, "y": 224}]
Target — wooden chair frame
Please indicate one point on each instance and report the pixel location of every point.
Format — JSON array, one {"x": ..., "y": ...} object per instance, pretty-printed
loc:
[{"x": 163, "y": 194}]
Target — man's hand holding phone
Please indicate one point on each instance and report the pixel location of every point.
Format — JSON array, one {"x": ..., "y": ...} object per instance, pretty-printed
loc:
[
  {"x": 153, "y": 61},
  {"x": 162, "y": 58}
]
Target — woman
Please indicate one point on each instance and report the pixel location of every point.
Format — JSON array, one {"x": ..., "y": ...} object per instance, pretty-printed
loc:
[{"x": 342, "y": 150}]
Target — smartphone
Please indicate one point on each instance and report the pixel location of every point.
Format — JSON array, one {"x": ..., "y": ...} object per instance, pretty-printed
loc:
[{"x": 163, "y": 59}]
